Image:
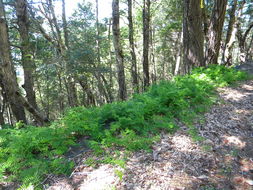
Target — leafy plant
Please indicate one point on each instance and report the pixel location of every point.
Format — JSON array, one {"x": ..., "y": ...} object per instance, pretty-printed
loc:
[{"x": 28, "y": 153}]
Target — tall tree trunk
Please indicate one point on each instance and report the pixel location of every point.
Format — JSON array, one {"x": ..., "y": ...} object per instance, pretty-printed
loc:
[
  {"x": 193, "y": 37},
  {"x": 118, "y": 50},
  {"x": 132, "y": 49},
  {"x": 215, "y": 32},
  {"x": 146, "y": 38},
  {"x": 26, "y": 50},
  {"x": 70, "y": 83},
  {"x": 16, "y": 100},
  {"x": 101, "y": 78},
  {"x": 230, "y": 37}
]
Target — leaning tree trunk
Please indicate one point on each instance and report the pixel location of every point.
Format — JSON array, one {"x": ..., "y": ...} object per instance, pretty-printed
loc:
[
  {"x": 146, "y": 38},
  {"x": 26, "y": 50},
  {"x": 132, "y": 49},
  {"x": 7, "y": 73},
  {"x": 118, "y": 50},
  {"x": 193, "y": 36},
  {"x": 215, "y": 32}
]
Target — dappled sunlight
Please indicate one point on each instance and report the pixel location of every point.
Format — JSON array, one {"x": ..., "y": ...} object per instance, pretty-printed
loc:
[
  {"x": 234, "y": 141},
  {"x": 183, "y": 143},
  {"x": 99, "y": 179}
]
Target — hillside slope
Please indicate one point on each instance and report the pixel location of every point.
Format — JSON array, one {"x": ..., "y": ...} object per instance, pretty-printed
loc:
[{"x": 223, "y": 160}]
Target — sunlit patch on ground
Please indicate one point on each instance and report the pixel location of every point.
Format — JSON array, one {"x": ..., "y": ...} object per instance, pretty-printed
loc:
[{"x": 234, "y": 141}]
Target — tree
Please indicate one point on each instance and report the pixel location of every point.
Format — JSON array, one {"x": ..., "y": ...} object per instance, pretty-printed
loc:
[
  {"x": 193, "y": 35},
  {"x": 230, "y": 37},
  {"x": 134, "y": 72},
  {"x": 118, "y": 50},
  {"x": 215, "y": 31},
  {"x": 26, "y": 50},
  {"x": 146, "y": 39},
  {"x": 8, "y": 77}
]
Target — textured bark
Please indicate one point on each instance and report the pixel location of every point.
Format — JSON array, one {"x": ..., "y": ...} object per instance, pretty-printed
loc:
[
  {"x": 118, "y": 50},
  {"x": 230, "y": 37},
  {"x": 16, "y": 100},
  {"x": 146, "y": 39},
  {"x": 193, "y": 36},
  {"x": 132, "y": 49},
  {"x": 215, "y": 32},
  {"x": 26, "y": 51}
]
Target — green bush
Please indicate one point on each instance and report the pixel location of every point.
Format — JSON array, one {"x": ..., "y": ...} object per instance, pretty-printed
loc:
[{"x": 28, "y": 153}]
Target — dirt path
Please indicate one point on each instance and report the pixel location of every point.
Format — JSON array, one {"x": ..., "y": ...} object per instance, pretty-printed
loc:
[{"x": 223, "y": 161}]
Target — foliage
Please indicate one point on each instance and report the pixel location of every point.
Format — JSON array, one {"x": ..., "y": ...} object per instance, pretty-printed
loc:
[{"x": 28, "y": 153}]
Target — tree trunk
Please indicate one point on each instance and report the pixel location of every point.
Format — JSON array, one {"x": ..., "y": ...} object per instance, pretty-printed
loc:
[
  {"x": 193, "y": 37},
  {"x": 118, "y": 50},
  {"x": 2, "y": 104},
  {"x": 230, "y": 37},
  {"x": 215, "y": 32},
  {"x": 179, "y": 54},
  {"x": 26, "y": 51},
  {"x": 16, "y": 100},
  {"x": 242, "y": 40},
  {"x": 70, "y": 83},
  {"x": 146, "y": 38},
  {"x": 132, "y": 49}
]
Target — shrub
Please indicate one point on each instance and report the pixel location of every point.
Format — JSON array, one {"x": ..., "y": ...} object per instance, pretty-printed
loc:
[{"x": 28, "y": 153}]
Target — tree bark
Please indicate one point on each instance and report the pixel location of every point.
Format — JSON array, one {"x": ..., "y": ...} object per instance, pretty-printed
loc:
[
  {"x": 215, "y": 32},
  {"x": 193, "y": 36},
  {"x": 16, "y": 100},
  {"x": 146, "y": 38},
  {"x": 132, "y": 49},
  {"x": 118, "y": 50},
  {"x": 26, "y": 51},
  {"x": 230, "y": 37}
]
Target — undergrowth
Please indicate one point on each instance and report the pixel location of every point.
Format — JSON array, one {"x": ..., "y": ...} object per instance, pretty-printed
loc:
[{"x": 28, "y": 153}]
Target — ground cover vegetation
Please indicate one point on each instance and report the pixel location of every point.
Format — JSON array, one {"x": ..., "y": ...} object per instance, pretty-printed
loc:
[
  {"x": 78, "y": 78},
  {"x": 28, "y": 153}
]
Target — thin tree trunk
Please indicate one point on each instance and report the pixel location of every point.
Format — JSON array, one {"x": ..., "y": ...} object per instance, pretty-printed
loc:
[
  {"x": 146, "y": 38},
  {"x": 215, "y": 32},
  {"x": 70, "y": 83},
  {"x": 132, "y": 49},
  {"x": 118, "y": 50},
  {"x": 179, "y": 54},
  {"x": 193, "y": 37}
]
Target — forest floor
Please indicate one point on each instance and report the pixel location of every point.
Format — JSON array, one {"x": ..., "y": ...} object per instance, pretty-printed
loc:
[{"x": 222, "y": 161}]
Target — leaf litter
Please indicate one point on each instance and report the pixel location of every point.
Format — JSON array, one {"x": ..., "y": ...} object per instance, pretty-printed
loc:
[{"x": 223, "y": 160}]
